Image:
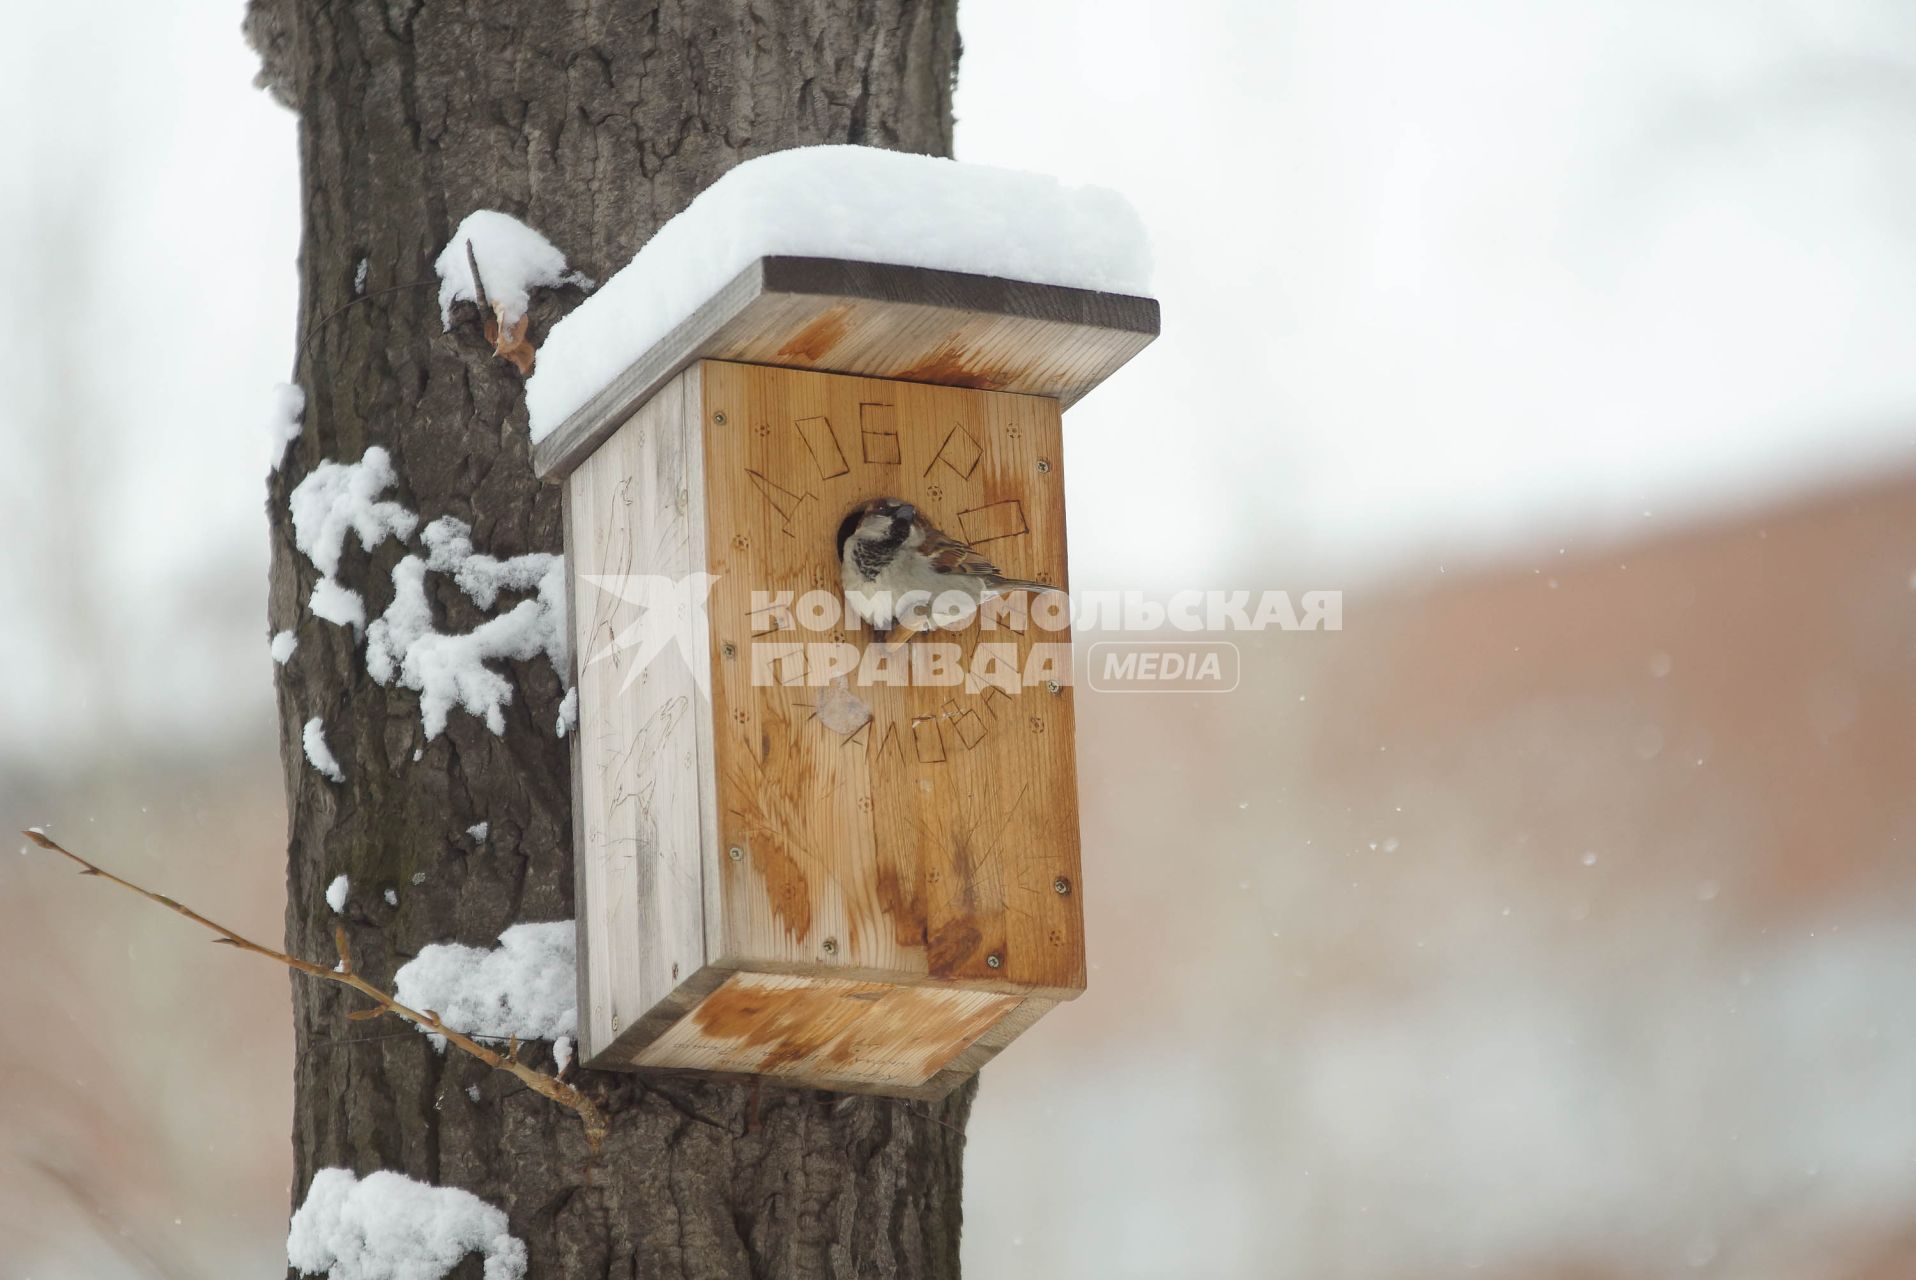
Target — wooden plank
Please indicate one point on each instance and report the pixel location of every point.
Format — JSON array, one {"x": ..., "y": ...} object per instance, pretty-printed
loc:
[
  {"x": 912, "y": 832},
  {"x": 633, "y": 523},
  {"x": 941, "y": 1022},
  {"x": 969, "y": 1061},
  {"x": 828, "y": 1032},
  {"x": 587, "y": 876},
  {"x": 908, "y": 323},
  {"x": 933, "y": 1090}
]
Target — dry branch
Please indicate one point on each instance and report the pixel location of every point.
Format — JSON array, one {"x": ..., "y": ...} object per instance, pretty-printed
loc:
[{"x": 539, "y": 1082}]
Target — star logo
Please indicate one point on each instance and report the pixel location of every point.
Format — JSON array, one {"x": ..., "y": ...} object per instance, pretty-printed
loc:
[{"x": 668, "y": 611}]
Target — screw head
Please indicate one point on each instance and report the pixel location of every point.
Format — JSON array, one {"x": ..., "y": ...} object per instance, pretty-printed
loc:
[
  {"x": 830, "y": 946},
  {"x": 1044, "y": 464},
  {"x": 994, "y": 961},
  {"x": 1061, "y": 886},
  {"x": 718, "y": 418},
  {"x": 1051, "y": 686},
  {"x": 729, "y": 649},
  {"x": 735, "y": 853}
]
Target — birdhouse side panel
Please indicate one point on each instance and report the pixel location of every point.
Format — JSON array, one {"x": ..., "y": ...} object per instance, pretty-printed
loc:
[
  {"x": 635, "y": 542},
  {"x": 909, "y": 816}
]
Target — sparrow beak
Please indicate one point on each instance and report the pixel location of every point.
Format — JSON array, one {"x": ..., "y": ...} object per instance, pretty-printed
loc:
[{"x": 907, "y": 512}]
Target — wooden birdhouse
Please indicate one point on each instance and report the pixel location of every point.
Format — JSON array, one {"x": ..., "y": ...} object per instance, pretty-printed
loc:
[{"x": 784, "y": 867}]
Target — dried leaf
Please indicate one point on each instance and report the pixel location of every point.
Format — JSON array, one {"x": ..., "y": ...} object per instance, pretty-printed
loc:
[{"x": 509, "y": 340}]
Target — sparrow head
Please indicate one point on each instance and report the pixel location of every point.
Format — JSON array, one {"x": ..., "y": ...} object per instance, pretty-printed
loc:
[{"x": 882, "y": 520}]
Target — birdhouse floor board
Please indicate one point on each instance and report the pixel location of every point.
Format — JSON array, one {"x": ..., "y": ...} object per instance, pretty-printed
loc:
[
  {"x": 818, "y": 1029},
  {"x": 693, "y": 1052}
]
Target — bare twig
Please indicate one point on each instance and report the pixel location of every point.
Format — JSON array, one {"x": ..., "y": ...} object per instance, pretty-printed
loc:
[
  {"x": 557, "y": 1090},
  {"x": 332, "y": 1042},
  {"x": 478, "y": 281},
  {"x": 926, "y": 1115},
  {"x": 353, "y": 301}
]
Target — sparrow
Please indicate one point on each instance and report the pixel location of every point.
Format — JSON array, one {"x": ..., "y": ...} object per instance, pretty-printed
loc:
[{"x": 901, "y": 575}]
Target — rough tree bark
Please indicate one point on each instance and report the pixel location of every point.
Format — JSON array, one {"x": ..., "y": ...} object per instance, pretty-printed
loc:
[{"x": 594, "y": 122}]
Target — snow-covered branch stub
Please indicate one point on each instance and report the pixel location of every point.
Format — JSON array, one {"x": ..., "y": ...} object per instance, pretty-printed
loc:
[{"x": 513, "y": 258}]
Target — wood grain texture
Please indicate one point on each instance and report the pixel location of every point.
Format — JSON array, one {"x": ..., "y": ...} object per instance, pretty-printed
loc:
[
  {"x": 691, "y": 1048},
  {"x": 811, "y": 1029},
  {"x": 972, "y": 1058},
  {"x": 916, "y": 831},
  {"x": 893, "y": 916},
  {"x": 908, "y": 323},
  {"x": 640, "y": 847}
]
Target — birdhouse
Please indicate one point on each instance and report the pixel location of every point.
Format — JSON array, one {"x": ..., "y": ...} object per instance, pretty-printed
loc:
[{"x": 801, "y": 853}]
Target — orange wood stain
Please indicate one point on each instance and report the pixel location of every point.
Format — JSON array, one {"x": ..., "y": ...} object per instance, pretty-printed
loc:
[
  {"x": 812, "y": 343},
  {"x": 782, "y": 1025},
  {"x": 946, "y": 366}
]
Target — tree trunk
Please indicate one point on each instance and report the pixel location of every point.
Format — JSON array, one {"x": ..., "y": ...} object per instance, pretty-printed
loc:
[{"x": 592, "y": 122}]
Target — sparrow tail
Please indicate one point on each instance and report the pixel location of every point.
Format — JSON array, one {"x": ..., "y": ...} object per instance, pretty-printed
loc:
[{"x": 1008, "y": 585}]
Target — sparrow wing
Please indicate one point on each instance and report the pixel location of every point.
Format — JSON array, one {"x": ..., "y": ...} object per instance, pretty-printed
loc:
[{"x": 948, "y": 555}]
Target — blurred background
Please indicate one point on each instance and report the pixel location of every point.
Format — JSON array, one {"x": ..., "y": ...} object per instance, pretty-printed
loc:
[{"x": 1556, "y": 918}]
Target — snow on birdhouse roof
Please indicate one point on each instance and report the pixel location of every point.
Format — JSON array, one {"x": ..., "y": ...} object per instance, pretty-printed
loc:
[{"x": 853, "y": 205}]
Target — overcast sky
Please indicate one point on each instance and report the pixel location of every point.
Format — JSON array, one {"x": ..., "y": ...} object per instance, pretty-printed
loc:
[
  {"x": 1476, "y": 273},
  {"x": 1438, "y": 281}
]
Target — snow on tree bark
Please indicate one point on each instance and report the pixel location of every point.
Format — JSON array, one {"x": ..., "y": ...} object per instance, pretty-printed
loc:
[{"x": 592, "y": 123}]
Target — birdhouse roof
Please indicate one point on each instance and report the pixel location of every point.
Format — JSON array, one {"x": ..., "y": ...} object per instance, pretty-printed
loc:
[
  {"x": 882, "y": 320},
  {"x": 857, "y": 260}
]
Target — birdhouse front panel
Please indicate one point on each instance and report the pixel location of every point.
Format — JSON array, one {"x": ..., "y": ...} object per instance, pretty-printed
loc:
[
  {"x": 910, "y": 813},
  {"x": 805, "y": 852}
]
